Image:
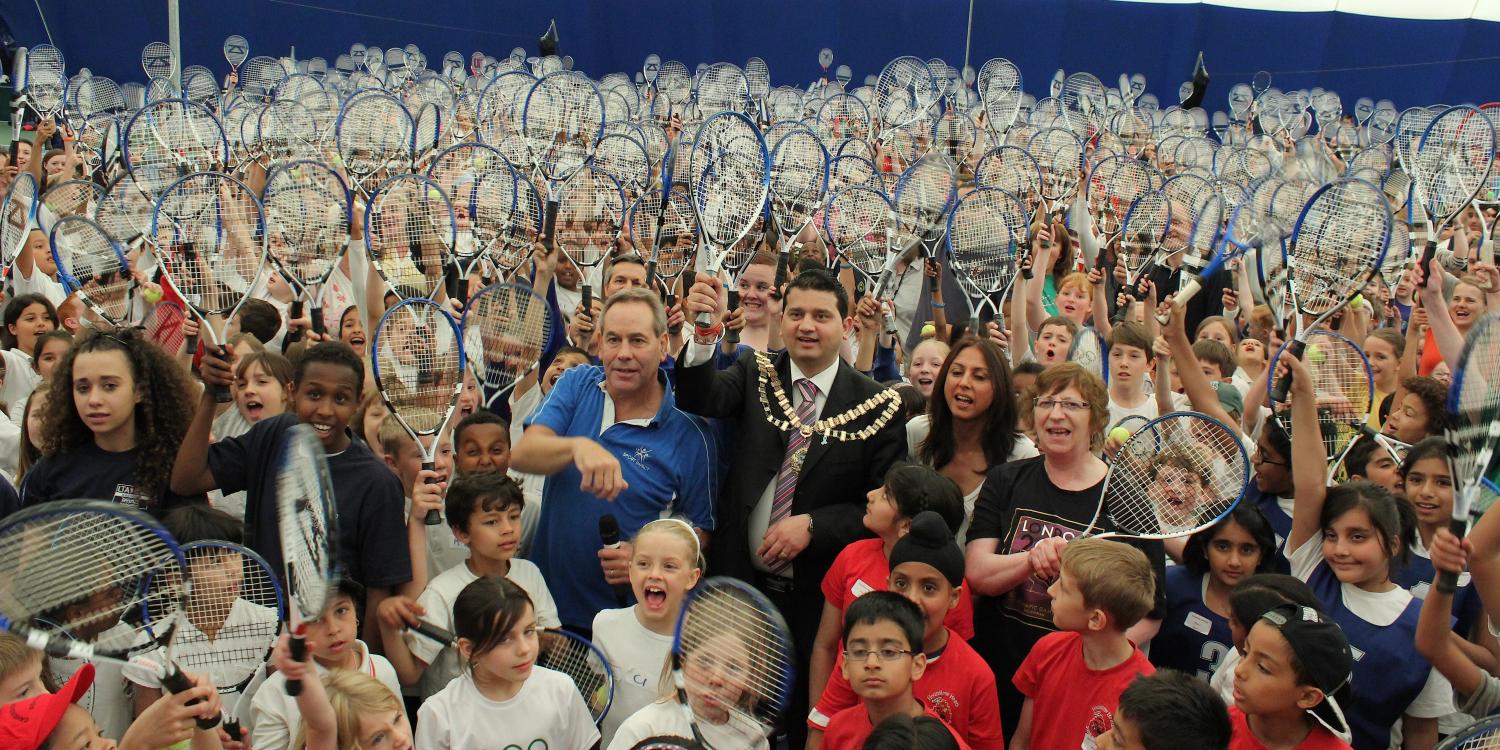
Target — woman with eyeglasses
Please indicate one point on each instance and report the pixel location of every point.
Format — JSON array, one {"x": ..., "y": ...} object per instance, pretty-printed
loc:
[{"x": 1027, "y": 512}]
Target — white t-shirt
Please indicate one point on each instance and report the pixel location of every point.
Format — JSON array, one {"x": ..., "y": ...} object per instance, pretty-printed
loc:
[
  {"x": 547, "y": 712},
  {"x": 274, "y": 715},
  {"x": 231, "y": 657},
  {"x": 917, "y": 430},
  {"x": 637, "y": 657},
  {"x": 1147, "y": 409},
  {"x": 667, "y": 719},
  {"x": 442, "y": 661},
  {"x": 444, "y": 551},
  {"x": 40, "y": 283},
  {"x": 568, "y": 300},
  {"x": 20, "y": 380}
]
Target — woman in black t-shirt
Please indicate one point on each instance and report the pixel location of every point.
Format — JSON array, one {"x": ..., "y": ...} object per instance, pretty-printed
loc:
[{"x": 116, "y": 409}]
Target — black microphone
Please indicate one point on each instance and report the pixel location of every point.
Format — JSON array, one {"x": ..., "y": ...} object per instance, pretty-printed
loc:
[{"x": 609, "y": 538}]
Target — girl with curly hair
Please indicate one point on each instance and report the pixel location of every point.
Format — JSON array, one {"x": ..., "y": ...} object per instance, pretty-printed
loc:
[{"x": 116, "y": 409}]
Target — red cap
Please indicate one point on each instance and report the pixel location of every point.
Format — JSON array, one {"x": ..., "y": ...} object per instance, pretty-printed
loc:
[{"x": 27, "y": 724}]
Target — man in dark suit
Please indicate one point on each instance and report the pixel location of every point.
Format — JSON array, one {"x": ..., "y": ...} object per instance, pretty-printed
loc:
[{"x": 794, "y": 498}]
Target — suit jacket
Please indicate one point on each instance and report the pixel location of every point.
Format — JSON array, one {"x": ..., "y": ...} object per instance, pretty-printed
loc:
[{"x": 835, "y": 475}]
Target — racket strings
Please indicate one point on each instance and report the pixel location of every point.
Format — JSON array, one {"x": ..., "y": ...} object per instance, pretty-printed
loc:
[
  {"x": 210, "y": 230},
  {"x": 306, "y": 221},
  {"x": 729, "y": 647},
  {"x": 1339, "y": 243},
  {"x": 419, "y": 364},
  {"x": 859, "y": 225},
  {"x": 562, "y": 117},
  {"x": 234, "y": 612},
  {"x": 589, "y": 217},
  {"x": 730, "y": 190},
  {"x": 574, "y": 658},
  {"x": 1452, "y": 160},
  {"x": 92, "y": 265},
  {"x": 307, "y": 522},
  {"x": 1342, "y": 388},
  {"x": 988, "y": 234},
  {"x": 505, "y": 330},
  {"x": 101, "y": 578},
  {"x": 1178, "y": 474},
  {"x": 411, "y": 232},
  {"x": 1474, "y": 400}
]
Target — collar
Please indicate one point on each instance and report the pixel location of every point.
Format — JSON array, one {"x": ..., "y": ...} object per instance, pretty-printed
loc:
[
  {"x": 607, "y": 418},
  {"x": 823, "y": 380}
]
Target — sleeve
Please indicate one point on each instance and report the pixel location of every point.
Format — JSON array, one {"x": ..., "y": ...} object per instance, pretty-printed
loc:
[
  {"x": 556, "y": 410},
  {"x": 992, "y": 507},
  {"x": 580, "y": 733},
  {"x": 1485, "y": 700},
  {"x": 985, "y": 730},
  {"x": 10, "y": 501},
  {"x": 699, "y": 476},
  {"x": 707, "y": 391},
  {"x": 884, "y": 368},
  {"x": 1033, "y": 670},
  {"x": 270, "y": 728},
  {"x": 383, "y": 556},
  {"x": 696, "y": 354},
  {"x": 837, "y": 696},
  {"x": 439, "y": 614},
  {"x": 542, "y": 602},
  {"x": 432, "y": 726},
  {"x": 1436, "y": 698},
  {"x": 230, "y": 460},
  {"x": 833, "y": 580},
  {"x": 1305, "y": 559}
]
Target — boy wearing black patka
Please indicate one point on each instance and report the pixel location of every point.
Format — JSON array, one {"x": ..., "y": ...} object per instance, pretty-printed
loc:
[{"x": 326, "y": 389}]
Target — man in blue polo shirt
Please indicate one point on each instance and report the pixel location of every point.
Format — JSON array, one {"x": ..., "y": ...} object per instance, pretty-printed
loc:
[{"x": 611, "y": 440}]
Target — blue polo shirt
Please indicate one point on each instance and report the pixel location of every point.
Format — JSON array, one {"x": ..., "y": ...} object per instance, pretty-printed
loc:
[{"x": 669, "y": 463}]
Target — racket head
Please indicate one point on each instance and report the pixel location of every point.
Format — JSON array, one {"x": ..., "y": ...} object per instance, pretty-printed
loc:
[
  {"x": 1338, "y": 245},
  {"x": 562, "y": 117},
  {"x": 924, "y": 196},
  {"x": 93, "y": 265},
  {"x": 209, "y": 231},
  {"x": 729, "y": 177},
  {"x": 583, "y": 662},
  {"x": 675, "y": 244},
  {"x": 798, "y": 177},
  {"x": 410, "y": 230},
  {"x": 307, "y": 518},
  {"x": 375, "y": 138},
  {"x": 91, "y": 578},
  {"x": 1483, "y": 734},
  {"x": 163, "y": 325},
  {"x": 17, "y": 216},
  {"x": 590, "y": 215},
  {"x": 1177, "y": 475},
  {"x": 859, "y": 223},
  {"x": 730, "y": 634},
  {"x": 1113, "y": 185},
  {"x": 988, "y": 234},
  {"x": 1474, "y": 403},
  {"x": 419, "y": 364},
  {"x": 307, "y": 218},
  {"x": 904, "y": 91},
  {"x": 233, "y": 614},
  {"x": 1453, "y": 160},
  {"x": 1013, "y": 170},
  {"x": 1144, "y": 232},
  {"x": 505, "y": 329},
  {"x": 170, "y": 138},
  {"x": 1342, "y": 385},
  {"x": 623, "y": 157}
]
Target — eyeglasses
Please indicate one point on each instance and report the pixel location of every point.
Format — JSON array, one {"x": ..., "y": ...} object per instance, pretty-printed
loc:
[
  {"x": 1257, "y": 459},
  {"x": 863, "y": 654},
  {"x": 1047, "y": 404}
]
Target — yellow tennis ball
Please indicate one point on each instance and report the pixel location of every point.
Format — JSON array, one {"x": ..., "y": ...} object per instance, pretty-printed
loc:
[
  {"x": 1315, "y": 356},
  {"x": 152, "y": 296},
  {"x": 1120, "y": 434},
  {"x": 928, "y": 330},
  {"x": 1359, "y": 299}
]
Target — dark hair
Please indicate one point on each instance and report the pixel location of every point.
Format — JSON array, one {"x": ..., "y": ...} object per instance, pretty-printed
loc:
[
  {"x": 485, "y": 611},
  {"x": 1278, "y": 437},
  {"x": 561, "y": 350},
  {"x": 1357, "y": 460},
  {"x": 196, "y": 522},
  {"x": 1029, "y": 367},
  {"x": 334, "y": 353},
  {"x": 1131, "y": 333},
  {"x": 1429, "y": 447},
  {"x": 346, "y": 586},
  {"x": 1209, "y": 350},
  {"x": 480, "y": 491},
  {"x": 1173, "y": 710},
  {"x": 1247, "y": 517},
  {"x": 13, "y": 312},
  {"x": 902, "y": 732},
  {"x": 271, "y": 363},
  {"x": 1434, "y": 396},
  {"x": 161, "y": 416},
  {"x": 820, "y": 280},
  {"x": 914, "y": 488},
  {"x": 1394, "y": 521},
  {"x": 479, "y": 417},
  {"x": 887, "y": 606},
  {"x": 1058, "y": 320},
  {"x": 999, "y": 436},
  {"x": 913, "y": 403},
  {"x": 56, "y": 334},
  {"x": 1263, "y": 592},
  {"x": 260, "y": 319}
]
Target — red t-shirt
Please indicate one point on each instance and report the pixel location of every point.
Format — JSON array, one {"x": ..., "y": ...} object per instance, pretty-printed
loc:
[
  {"x": 1069, "y": 701},
  {"x": 862, "y": 568},
  {"x": 958, "y": 687},
  {"x": 1243, "y": 739},
  {"x": 849, "y": 729}
]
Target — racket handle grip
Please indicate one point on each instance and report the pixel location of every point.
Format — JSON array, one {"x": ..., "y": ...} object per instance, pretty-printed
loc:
[
  {"x": 293, "y": 313},
  {"x": 177, "y": 682},
  {"x": 234, "y": 730},
  {"x": 1189, "y": 290},
  {"x": 588, "y": 300},
  {"x": 1428, "y": 252},
  {"x": 428, "y": 630},
  {"x": 298, "y": 648},
  {"x": 671, "y": 300},
  {"x": 731, "y": 335},
  {"x": 549, "y": 225},
  {"x": 1447, "y": 582},
  {"x": 782, "y": 261},
  {"x": 433, "y": 517},
  {"x": 1284, "y": 385},
  {"x": 221, "y": 392},
  {"x": 317, "y": 321},
  {"x": 190, "y": 345}
]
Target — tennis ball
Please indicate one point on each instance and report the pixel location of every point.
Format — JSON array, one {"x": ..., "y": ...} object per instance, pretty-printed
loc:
[
  {"x": 928, "y": 330},
  {"x": 152, "y": 296},
  {"x": 1315, "y": 356},
  {"x": 1120, "y": 434},
  {"x": 1359, "y": 299}
]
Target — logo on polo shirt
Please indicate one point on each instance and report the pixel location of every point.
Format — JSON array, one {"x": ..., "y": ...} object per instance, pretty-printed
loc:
[{"x": 641, "y": 457}]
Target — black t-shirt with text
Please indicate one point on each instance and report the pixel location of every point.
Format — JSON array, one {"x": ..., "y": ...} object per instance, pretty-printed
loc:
[{"x": 89, "y": 472}]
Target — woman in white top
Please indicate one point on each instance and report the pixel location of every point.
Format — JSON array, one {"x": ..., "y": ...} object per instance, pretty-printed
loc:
[{"x": 970, "y": 425}]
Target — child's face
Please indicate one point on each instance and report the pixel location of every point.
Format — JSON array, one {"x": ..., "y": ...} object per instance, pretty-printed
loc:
[
  {"x": 493, "y": 535},
  {"x": 1069, "y": 610},
  {"x": 717, "y": 672},
  {"x": 33, "y": 322},
  {"x": 872, "y": 677},
  {"x": 326, "y": 400},
  {"x": 1429, "y": 488},
  {"x": 468, "y": 398},
  {"x": 560, "y": 365},
  {"x": 385, "y": 731},
  {"x": 352, "y": 331},
  {"x": 77, "y": 731},
  {"x": 1074, "y": 302},
  {"x": 483, "y": 447},
  {"x": 370, "y": 427},
  {"x": 1382, "y": 356},
  {"x": 1272, "y": 471},
  {"x": 512, "y": 660},
  {"x": 881, "y": 514},
  {"x": 407, "y": 462},
  {"x": 47, "y": 359},
  {"x": 258, "y": 395},
  {"x": 1210, "y": 371},
  {"x": 1232, "y": 554},
  {"x": 1178, "y": 493},
  {"x": 1052, "y": 344},
  {"x": 1353, "y": 549},
  {"x": 1124, "y": 735},
  {"x": 662, "y": 570},
  {"x": 926, "y": 362},
  {"x": 104, "y": 391},
  {"x": 924, "y": 585},
  {"x": 34, "y": 417},
  {"x": 1383, "y": 470},
  {"x": 1265, "y": 681},
  {"x": 1216, "y": 332},
  {"x": 1127, "y": 364},
  {"x": 331, "y": 638},
  {"x": 1252, "y": 353},
  {"x": 41, "y": 254},
  {"x": 1407, "y": 421},
  {"x": 25, "y": 682}
]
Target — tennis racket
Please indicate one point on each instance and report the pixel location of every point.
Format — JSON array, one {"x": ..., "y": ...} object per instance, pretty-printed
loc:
[
  {"x": 1452, "y": 165},
  {"x": 923, "y": 198},
  {"x": 46, "y": 84},
  {"x": 410, "y": 230},
  {"x": 234, "y": 613},
  {"x": 1090, "y": 350},
  {"x": 505, "y": 329},
  {"x": 482, "y": 186},
  {"x": 1337, "y": 247},
  {"x": 799, "y": 178},
  {"x": 590, "y": 215},
  {"x": 96, "y": 580},
  {"x": 308, "y": 522},
  {"x": 18, "y": 72},
  {"x": 1481, "y": 735},
  {"x": 209, "y": 229},
  {"x": 163, "y": 325},
  {"x": 988, "y": 233},
  {"x": 1113, "y": 186},
  {"x": 670, "y": 229},
  {"x": 169, "y": 139},
  {"x": 236, "y": 50},
  {"x": 17, "y": 218},
  {"x": 583, "y": 663},
  {"x": 1143, "y": 244},
  {"x": 375, "y": 139},
  {"x": 419, "y": 366},
  {"x": 1245, "y": 231},
  {"x": 1343, "y": 389},
  {"x": 730, "y": 176},
  {"x": 307, "y": 229},
  {"x": 1474, "y": 403},
  {"x": 562, "y": 117},
  {"x": 860, "y": 225},
  {"x": 92, "y": 265},
  {"x": 732, "y": 663},
  {"x": 1177, "y": 475}
]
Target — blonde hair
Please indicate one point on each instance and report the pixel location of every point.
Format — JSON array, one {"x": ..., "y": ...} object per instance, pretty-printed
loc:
[
  {"x": 682, "y": 530},
  {"x": 352, "y": 694},
  {"x": 393, "y": 437},
  {"x": 1112, "y": 576},
  {"x": 16, "y": 655}
]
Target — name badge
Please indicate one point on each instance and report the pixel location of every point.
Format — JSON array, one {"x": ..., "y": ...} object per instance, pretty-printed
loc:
[
  {"x": 1198, "y": 623},
  {"x": 860, "y": 588}
]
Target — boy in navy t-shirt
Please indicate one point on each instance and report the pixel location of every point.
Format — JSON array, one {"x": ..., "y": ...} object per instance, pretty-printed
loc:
[{"x": 326, "y": 388}]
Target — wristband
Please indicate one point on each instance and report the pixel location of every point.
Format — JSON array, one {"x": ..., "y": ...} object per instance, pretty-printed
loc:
[
  {"x": 938, "y": 306},
  {"x": 708, "y": 333}
]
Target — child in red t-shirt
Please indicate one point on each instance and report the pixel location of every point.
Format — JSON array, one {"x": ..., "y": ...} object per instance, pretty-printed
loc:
[
  {"x": 1169, "y": 710},
  {"x": 927, "y": 567},
  {"x": 1072, "y": 679},
  {"x": 1296, "y": 660},
  {"x": 865, "y": 565},
  {"x": 882, "y": 657}
]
